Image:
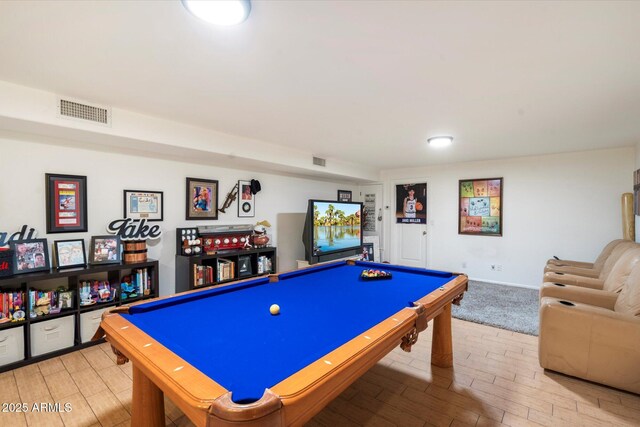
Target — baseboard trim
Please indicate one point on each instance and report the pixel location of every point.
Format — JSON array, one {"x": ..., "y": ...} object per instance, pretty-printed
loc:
[{"x": 495, "y": 282}]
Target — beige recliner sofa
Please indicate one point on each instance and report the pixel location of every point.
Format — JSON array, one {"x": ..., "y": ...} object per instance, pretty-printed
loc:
[
  {"x": 587, "y": 269},
  {"x": 603, "y": 277},
  {"x": 593, "y": 334}
]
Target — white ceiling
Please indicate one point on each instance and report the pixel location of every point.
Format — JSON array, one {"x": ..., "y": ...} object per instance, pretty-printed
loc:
[{"x": 363, "y": 81}]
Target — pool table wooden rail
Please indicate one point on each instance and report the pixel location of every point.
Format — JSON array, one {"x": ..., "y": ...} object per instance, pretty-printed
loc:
[{"x": 295, "y": 399}]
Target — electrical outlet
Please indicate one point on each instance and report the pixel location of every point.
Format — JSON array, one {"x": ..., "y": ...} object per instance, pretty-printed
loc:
[
  {"x": 499, "y": 267},
  {"x": 493, "y": 267}
]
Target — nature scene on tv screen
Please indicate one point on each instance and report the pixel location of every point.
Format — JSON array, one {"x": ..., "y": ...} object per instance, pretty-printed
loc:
[{"x": 336, "y": 226}]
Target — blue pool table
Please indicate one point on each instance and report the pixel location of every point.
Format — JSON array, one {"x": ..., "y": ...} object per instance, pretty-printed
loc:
[{"x": 224, "y": 359}]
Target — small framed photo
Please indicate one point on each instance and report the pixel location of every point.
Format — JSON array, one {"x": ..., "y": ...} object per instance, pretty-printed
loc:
[
  {"x": 244, "y": 266},
  {"x": 367, "y": 252},
  {"x": 30, "y": 256},
  {"x": 344, "y": 195},
  {"x": 69, "y": 253},
  {"x": 246, "y": 200},
  {"x": 66, "y": 200},
  {"x": 202, "y": 199},
  {"x": 105, "y": 249},
  {"x": 139, "y": 204}
]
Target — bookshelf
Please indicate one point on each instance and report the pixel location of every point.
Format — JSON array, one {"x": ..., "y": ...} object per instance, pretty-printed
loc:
[
  {"x": 199, "y": 271},
  {"x": 63, "y": 324}
]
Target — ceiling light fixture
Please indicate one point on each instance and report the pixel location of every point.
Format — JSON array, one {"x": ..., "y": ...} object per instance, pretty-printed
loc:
[
  {"x": 219, "y": 12},
  {"x": 440, "y": 141}
]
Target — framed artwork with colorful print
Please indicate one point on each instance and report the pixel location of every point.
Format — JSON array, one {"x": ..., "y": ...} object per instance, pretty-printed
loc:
[{"x": 480, "y": 206}]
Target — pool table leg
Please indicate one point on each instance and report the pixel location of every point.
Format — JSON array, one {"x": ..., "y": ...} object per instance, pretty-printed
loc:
[
  {"x": 441, "y": 345},
  {"x": 147, "y": 404}
]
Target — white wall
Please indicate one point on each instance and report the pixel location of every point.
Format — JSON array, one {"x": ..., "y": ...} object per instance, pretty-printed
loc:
[
  {"x": 26, "y": 159},
  {"x": 566, "y": 205}
]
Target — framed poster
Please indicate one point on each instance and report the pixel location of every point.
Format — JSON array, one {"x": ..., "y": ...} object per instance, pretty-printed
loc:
[
  {"x": 411, "y": 203},
  {"x": 246, "y": 201},
  {"x": 344, "y": 196},
  {"x": 105, "y": 249},
  {"x": 30, "y": 255},
  {"x": 66, "y": 203},
  {"x": 202, "y": 199},
  {"x": 139, "y": 204},
  {"x": 480, "y": 207},
  {"x": 69, "y": 253}
]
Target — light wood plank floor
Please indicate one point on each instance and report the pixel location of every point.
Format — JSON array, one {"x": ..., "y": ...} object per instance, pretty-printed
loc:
[{"x": 496, "y": 380}]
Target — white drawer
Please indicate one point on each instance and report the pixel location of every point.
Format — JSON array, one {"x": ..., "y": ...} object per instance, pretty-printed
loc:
[
  {"x": 11, "y": 345},
  {"x": 52, "y": 335},
  {"x": 89, "y": 323}
]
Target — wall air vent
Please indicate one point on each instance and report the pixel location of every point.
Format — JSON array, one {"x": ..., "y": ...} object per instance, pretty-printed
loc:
[
  {"x": 319, "y": 162},
  {"x": 83, "y": 111}
]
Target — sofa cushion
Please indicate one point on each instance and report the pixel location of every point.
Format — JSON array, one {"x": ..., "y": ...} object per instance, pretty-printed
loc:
[
  {"x": 606, "y": 253},
  {"x": 628, "y": 301},
  {"x": 622, "y": 269},
  {"x": 616, "y": 254}
]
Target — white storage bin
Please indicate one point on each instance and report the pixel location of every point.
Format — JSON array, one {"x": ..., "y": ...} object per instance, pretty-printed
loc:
[
  {"x": 52, "y": 335},
  {"x": 11, "y": 345},
  {"x": 89, "y": 323}
]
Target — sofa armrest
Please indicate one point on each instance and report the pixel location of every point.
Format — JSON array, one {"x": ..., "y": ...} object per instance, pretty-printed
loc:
[
  {"x": 578, "y": 294},
  {"x": 570, "y": 279},
  {"x": 568, "y": 263},
  {"x": 576, "y": 271},
  {"x": 590, "y": 342}
]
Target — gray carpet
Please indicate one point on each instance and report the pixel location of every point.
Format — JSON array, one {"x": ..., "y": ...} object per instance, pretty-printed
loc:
[{"x": 506, "y": 307}]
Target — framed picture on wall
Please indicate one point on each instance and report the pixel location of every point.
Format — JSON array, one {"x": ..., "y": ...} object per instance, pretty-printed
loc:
[
  {"x": 344, "y": 195},
  {"x": 480, "y": 206},
  {"x": 246, "y": 200},
  {"x": 30, "y": 255},
  {"x": 202, "y": 199},
  {"x": 69, "y": 253},
  {"x": 411, "y": 203},
  {"x": 66, "y": 201},
  {"x": 139, "y": 204}
]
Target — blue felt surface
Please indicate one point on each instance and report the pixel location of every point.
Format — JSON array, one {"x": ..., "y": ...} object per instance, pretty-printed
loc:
[{"x": 232, "y": 338}]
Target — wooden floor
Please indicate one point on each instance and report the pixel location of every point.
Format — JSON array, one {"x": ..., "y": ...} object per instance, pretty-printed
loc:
[{"x": 496, "y": 381}]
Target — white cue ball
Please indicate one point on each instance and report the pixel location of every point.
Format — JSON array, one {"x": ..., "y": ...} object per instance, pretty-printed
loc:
[{"x": 274, "y": 309}]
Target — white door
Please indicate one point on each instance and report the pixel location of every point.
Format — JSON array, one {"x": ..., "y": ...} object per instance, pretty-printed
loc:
[
  {"x": 371, "y": 198},
  {"x": 408, "y": 241}
]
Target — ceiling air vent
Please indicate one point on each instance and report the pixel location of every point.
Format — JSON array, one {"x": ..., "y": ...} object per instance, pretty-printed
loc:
[
  {"x": 319, "y": 162},
  {"x": 83, "y": 111}
]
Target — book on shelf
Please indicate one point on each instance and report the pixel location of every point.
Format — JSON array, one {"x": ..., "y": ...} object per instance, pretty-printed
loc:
[
  {"x": 202, "y": 275},
  {"x": 226, "y": 269}
]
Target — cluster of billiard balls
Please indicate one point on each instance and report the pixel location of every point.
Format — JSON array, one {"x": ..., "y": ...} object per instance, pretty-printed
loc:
[{"x": 375, "y": 273}]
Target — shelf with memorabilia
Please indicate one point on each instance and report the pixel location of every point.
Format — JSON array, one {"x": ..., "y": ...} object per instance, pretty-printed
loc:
[
  {"x": 48, "y": 313},
  {"x": 214, "y": 255}
]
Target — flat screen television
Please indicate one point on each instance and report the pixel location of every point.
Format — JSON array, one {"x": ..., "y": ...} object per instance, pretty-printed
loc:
[{"x": 332, "y": 230}]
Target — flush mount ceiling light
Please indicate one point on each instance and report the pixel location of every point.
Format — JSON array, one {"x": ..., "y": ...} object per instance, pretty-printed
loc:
[
  {"x": 219, "y": 12},
  {"x": 440, "y": 141}
]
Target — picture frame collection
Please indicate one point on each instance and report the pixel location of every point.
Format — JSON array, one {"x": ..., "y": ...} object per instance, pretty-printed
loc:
[{"x": 479, "y": 213}]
